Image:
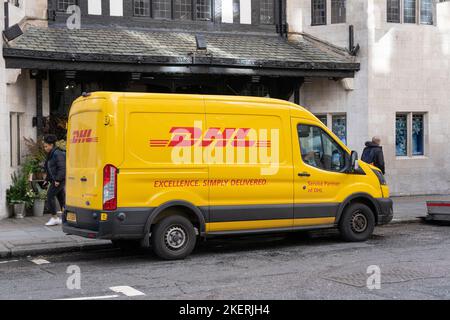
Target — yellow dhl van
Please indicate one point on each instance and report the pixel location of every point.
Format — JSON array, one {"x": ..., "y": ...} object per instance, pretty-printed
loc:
[{"x": 166, "y": 170}]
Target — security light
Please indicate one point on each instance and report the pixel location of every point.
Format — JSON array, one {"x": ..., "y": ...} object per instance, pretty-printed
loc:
[
  {"x": 12, "y": 32},
  {"x": 201, "y": 42}
]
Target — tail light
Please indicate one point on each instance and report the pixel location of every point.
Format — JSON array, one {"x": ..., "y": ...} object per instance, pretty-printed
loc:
[{"x": 109, "y": 187}]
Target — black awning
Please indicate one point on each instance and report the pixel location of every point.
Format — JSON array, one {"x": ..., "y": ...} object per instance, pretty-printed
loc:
[{"x": 130, "y": 50}]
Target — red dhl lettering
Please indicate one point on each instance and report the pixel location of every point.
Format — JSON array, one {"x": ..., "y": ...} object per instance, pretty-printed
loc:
[
  {"x": 191, "y": 136},
  {"x": 83, "y": 136}
]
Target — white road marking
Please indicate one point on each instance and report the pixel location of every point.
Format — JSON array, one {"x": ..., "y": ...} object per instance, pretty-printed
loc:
[
  {"x": 90, "y": 298},
  {"x": 10, "y": 261},
  {"x": 40, "y": 261},
  {"x": 128, "y": 291}
]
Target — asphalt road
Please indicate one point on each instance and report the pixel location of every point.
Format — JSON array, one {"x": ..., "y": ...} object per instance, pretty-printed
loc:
[{"x": 414, "y": 261}]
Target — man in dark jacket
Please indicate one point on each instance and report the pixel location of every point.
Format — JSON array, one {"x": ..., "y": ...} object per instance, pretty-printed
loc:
[
  {"x": 55, "y": 167},
  {"x": 373, "y": 154}
]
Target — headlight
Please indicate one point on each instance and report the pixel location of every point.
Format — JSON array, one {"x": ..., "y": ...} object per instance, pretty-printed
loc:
[{"x": 380, "y": 177}]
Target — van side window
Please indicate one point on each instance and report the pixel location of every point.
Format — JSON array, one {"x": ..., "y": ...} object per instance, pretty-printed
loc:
[{"x": 319, "y": 150}]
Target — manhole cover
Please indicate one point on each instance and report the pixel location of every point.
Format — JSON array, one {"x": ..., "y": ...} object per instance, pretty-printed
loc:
[{"x": 393, "y": 275}]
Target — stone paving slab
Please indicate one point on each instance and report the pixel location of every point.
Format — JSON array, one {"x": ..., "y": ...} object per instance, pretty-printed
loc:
[{"x": 30, "y": 236}]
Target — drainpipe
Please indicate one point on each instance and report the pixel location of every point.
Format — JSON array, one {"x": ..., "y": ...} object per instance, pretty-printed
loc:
[
  {"x": 39, "y": 113},
  {"x": 6, "y": 6}
]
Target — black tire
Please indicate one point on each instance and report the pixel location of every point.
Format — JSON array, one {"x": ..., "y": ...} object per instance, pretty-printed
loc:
[
  {"x": 126, "y": 245},
  {"x": 173, "y": 238},
  {"x": 357, "y": 223}
]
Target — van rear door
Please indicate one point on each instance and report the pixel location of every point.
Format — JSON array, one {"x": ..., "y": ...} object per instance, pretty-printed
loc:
[{"x": 85, "y": 153}]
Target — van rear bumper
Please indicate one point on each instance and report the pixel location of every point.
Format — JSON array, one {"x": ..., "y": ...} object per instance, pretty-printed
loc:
[
  {"x": 120, "y": 224},
  {"x": 386, "y": 213}
]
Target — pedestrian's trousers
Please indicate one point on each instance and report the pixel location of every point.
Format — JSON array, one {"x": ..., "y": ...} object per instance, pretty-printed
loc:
[{"x": 54, "y": 193}]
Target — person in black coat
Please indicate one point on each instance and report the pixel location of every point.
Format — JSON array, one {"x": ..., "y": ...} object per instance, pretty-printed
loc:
[
  {"x": 373, "y": 154},
  {"x": 55, "y": 168}
]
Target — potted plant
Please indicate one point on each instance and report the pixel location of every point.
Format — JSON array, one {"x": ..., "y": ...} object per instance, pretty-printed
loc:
[
  {"x": 39, "y": 202},
  {"x": 34, "y": 162},
  {"x": 19, "y": 195}
]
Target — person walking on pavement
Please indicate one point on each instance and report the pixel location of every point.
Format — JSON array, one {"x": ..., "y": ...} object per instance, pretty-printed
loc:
[
  {"x": 373, "y": 154},
  {"x": 55, "y": 168}
]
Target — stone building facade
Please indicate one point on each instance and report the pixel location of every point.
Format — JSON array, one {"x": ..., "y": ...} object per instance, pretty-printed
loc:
[{"x": 401, "y": 92}]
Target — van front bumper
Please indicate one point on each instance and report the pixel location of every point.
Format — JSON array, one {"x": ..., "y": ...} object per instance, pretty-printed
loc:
[
  {"x": 386, "y": 210},
  {"x": 119, "y": 224}
]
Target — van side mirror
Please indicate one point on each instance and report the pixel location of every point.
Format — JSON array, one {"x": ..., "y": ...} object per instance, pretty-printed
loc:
[
  {"x": 354, "y": 161},
  {"x": 351, "y": 162}
]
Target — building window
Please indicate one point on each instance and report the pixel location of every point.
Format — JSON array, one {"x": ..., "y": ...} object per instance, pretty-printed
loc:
[
  {"x": 15, "y": 136},
  {"x": 336, "y": 123},
  {"x": 183, "y": 9},
  {"x": 318, "y": 12},
  {"x": 338, "y": 11},
  {"x": 267, "y": 15},
  {"x": 401, "y": 135},
  {"x": 393, "y": 11},
  {"x": 410, "y": 134},
  {"x": 162, "y": 9},
  {"x": 409, "y": 11},
  {"x": 426, "y": 11},
  {"x": 323, "y": 118},
  {"x": 418, "y": 135},
  {"x": 203, "y": 9},
  {"x": 339, "y": 127},
  {"x": 62, "y": 5},
  {"x": 142, "y": 8}
]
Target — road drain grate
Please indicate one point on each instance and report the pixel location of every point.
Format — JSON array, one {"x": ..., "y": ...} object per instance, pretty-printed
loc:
[{"x": 392, "y": 275}]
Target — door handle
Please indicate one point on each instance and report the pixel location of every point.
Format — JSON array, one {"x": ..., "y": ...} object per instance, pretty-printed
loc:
[
  {"x": 84, "y": 179},
  {"x": 304, "y": 174}
]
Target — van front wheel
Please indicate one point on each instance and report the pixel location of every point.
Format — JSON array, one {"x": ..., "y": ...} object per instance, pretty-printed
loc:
[
  {"x": 357, "y": 223},
  {"x": 173, "y": 238}
]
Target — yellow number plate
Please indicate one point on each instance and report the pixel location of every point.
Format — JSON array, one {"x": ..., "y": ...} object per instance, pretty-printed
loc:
[{"x": 71, "y": 217}]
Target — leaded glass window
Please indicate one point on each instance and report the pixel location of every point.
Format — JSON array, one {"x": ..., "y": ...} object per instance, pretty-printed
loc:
[
  {"x": 183, "y": 9},
  {"x": 338, "y": 11},
  {"x": 267, "y": 12},
  {"x": 339, "y": 127},
  {"x": 62, "y": 5},
  {"x": 426, "y": 11},
  {"x": 393, "y": 11},
  {"x": 318, "y": 12},
  {"x": 417, "y": 135},
  {"x": 203, "y": 9},
  {"x": 162, "y": 9},
  {"x": 409, "y": 11},
  {"x": 141, "y": 8},
  {"x": 401, "y": 135},
  {"x": 323, "y": 118}
]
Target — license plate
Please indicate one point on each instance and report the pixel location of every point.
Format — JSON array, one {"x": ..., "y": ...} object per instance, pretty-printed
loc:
[{"x": 71, "y": 217}]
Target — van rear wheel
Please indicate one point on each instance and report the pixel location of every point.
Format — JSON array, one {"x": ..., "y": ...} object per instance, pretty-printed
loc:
[
  {"x": 357, "y": 223},
  {"x": 173, "y": 238}
]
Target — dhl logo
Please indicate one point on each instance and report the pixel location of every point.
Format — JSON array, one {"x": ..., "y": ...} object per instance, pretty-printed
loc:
[
  {"x": 193, "y": 136},
  {"x": 83, "y": 136}
]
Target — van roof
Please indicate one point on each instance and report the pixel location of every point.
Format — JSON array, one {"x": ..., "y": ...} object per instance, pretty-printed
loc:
[{"x": 295, "y": 109}]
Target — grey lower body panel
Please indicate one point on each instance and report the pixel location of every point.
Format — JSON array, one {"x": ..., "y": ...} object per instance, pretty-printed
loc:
[
  {"x": 121, "y": 224},
  {"x": 130, "y": 223}
]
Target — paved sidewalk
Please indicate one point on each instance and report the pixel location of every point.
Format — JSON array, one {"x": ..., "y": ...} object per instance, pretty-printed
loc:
[
  {"x": 409, "y": 209},
  {"x": 30, "y": 237}
]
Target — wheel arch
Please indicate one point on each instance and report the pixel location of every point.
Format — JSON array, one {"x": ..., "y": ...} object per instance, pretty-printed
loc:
[
  {"x": 363, "y": 198},
  {"x": 187, "y": 209}
]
